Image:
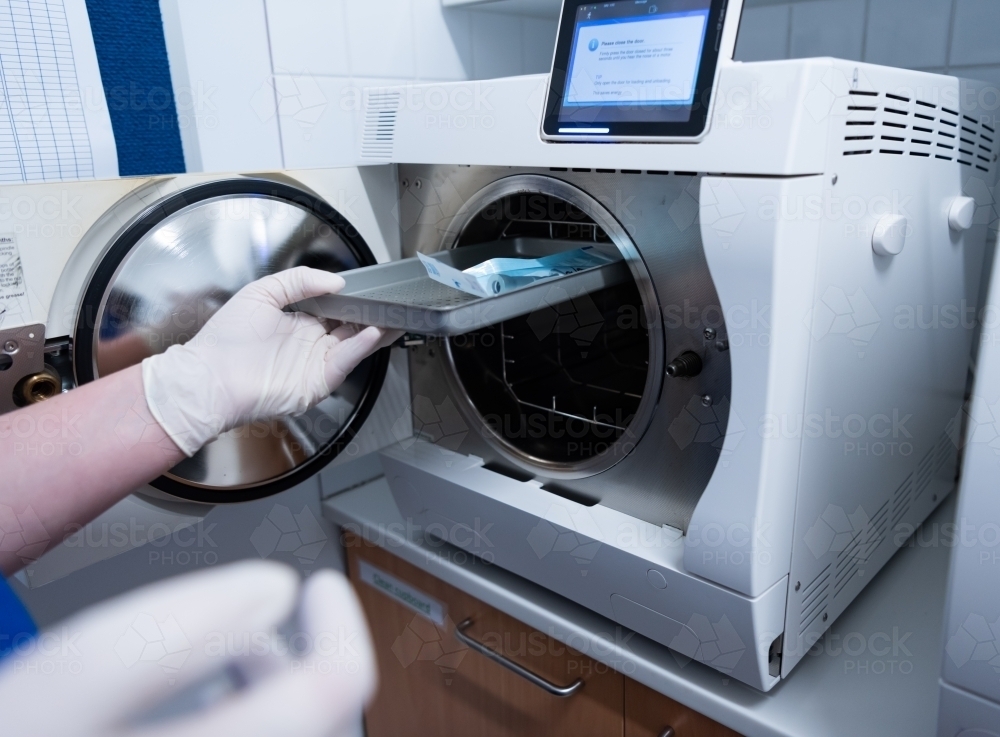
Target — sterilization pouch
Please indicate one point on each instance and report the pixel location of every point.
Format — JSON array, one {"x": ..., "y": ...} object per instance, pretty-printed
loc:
[{"x": 499, "y": 275}]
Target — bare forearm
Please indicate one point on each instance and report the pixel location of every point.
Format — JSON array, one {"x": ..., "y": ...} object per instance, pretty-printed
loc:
[{"x": 66, "y": 460}]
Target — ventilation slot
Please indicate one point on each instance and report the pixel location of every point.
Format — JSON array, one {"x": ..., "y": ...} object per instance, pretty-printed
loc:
[
  {"x": 901, "y": 501},
  {"x": 915, "y": 128},
  {"x": 814, "y": 599},
  {"x": 380, "y": 125},
  {"x": 924, "y": 473},
  {"x": 942, "y": 452},
  {"x": 859, "y": 551}
]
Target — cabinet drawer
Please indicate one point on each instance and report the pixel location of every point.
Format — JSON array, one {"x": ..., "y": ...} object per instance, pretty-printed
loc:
[
  {"x": 649, "y": 714},
  {"x": 430, "y": 683}
]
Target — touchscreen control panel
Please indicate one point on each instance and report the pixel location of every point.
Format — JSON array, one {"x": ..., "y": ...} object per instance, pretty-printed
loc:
[{"x": 633, "y": 69}]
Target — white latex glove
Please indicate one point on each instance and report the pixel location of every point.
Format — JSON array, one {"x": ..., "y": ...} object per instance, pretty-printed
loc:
[
  {"x": 252, "y": 361},
  {"x": 92, "y": 675}
]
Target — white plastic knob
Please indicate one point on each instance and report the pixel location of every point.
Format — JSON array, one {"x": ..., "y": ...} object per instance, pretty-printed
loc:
[
  {"x": 961, "y": 213},
  {"x": 890, "y": 235}
]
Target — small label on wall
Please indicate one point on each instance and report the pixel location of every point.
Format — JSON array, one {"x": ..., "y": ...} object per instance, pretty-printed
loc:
[{"x": 405, "y": 594}]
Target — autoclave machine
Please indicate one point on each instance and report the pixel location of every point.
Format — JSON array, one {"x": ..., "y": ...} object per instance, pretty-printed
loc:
[
  {"x": 717, "y": 441},
  {"x": 722, "y": 450}
]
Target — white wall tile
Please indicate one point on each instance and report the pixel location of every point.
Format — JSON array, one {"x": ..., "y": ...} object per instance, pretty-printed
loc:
[
  {"x": 989, "y": 74},
  {"x": 538, "y": 42},
  {"x": 380, "y": 38},
  {"x": 321, "y": 50},
  {"x": 442, "y": 41},
  {"x": 308, "y": 36},
  {"x": 496, "y": 45},
  {"x": 229, "y": 69},
  {"x": 976, "y": 36},
  {"x": 827, "y": 28},
  {"x": 763, "y": 33},
  {"x": 908, "y": 33},
  {"x": 525, "y": 8}
]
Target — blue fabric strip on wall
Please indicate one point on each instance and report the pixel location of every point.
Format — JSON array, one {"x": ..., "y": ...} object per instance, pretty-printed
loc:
[{"x": 135, "y": 72}]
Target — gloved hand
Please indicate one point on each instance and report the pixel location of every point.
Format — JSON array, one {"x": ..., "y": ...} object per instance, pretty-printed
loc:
[
  {"x": 252, "y": 361},
  {"x": 103, "y": 672}
]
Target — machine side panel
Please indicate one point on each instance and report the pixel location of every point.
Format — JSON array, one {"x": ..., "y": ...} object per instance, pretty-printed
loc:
[
  {"x": 762, "y": 250},
  {"x": 891, "y": 341}
]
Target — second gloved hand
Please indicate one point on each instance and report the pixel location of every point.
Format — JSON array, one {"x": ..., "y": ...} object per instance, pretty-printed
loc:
[
  {"x": 215, "y": 652},
  {"x": 253, "y": 361}
]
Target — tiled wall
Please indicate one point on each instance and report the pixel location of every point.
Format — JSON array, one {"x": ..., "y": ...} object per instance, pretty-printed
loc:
[
  {"x": 960, "y": 37},
  {"x": 412, "y": 40},
  {"x": 273, "y": 82}
]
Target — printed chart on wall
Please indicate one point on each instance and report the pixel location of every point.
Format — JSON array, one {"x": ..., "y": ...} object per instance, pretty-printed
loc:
[
  {"x": 13, "y": 292},
  {"x": 54, "y": 121}
]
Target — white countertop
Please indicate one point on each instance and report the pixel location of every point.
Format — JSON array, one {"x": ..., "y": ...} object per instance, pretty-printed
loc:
[{"x": 875, "y": 673}]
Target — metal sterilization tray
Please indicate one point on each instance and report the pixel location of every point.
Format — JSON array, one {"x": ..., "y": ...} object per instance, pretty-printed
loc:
[{"x": 399, "y": 294}]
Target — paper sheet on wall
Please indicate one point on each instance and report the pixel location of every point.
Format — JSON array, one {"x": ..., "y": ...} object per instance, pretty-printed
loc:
[
  {"x": 54, "y": 121},
  {"x": 13, "y": 292}
]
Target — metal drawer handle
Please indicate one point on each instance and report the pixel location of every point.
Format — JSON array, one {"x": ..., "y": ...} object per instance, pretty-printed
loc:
[{"x": 561, "y": 691}]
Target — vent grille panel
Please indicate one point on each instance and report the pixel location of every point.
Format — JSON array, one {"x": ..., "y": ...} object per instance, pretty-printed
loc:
[
  {"x": 894, "y": 125},
  {"x": 814, "y": 598},
  {"x": 851, "y": 560},
  {"x": 901, "y": 501},
  {"x": 381, "y": 110},
  {"x": 942, "y": 452},
  {"x": 924, "y": 474}
]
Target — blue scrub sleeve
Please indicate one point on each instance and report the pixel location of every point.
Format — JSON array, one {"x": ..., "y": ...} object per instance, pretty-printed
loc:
[{"x": 16, "y": 625}]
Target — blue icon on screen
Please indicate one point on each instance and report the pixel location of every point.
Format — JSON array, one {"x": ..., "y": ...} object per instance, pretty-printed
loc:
[{"x": 593, "y": 44}]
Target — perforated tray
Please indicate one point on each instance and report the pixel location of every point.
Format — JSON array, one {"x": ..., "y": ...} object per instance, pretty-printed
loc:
[{"x": 399, "y": 294}]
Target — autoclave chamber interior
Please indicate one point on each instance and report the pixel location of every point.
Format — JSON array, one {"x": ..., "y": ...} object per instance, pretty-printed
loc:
[{"x": 558, "y": 388}]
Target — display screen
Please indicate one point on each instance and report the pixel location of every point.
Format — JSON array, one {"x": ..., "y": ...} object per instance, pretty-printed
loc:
[{"x": 639, "y": 68}]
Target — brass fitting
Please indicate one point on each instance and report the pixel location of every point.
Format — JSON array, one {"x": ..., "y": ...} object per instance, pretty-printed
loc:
[{"x": 38, "y": 387}]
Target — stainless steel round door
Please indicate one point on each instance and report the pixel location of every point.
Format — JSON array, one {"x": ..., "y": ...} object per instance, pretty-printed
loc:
[{"x": 172, "y": 268}]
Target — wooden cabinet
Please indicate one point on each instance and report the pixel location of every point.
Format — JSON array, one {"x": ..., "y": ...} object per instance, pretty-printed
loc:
[
  {"x": 433, "y": 684},
  {"x": 650, "y": 714}
]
